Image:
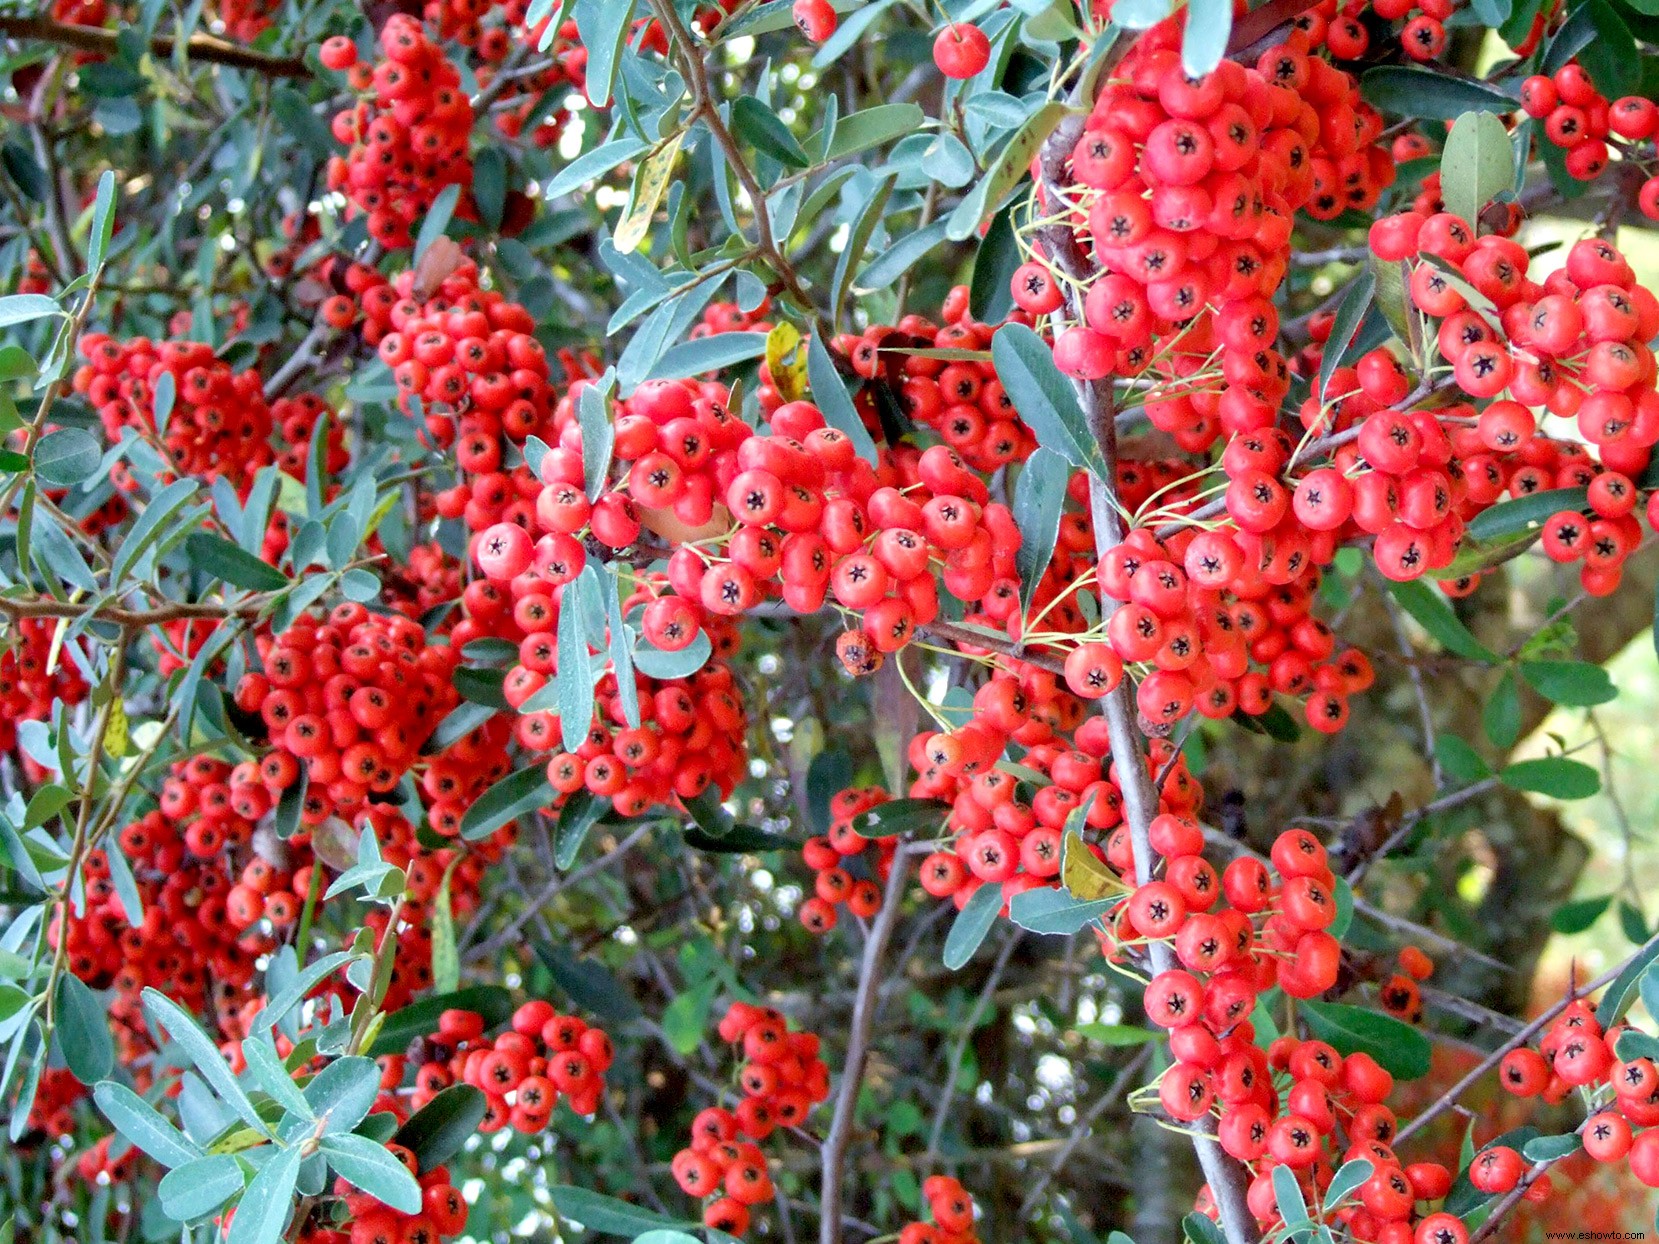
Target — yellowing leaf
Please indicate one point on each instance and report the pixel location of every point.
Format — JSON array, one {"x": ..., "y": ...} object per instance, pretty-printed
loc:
[
  {"x": 1083, "y": 873},
  {"x": 786, "y": 361},
  {"x": 649, "y": 187},
  {"x": 116, "y": 733}
]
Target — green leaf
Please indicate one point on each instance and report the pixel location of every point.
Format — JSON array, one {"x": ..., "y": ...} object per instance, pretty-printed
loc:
[
  {"x": 1577, "y": 684},
  {"x": 1461, "y": 762},
  {"x": 148, "y": 528},
  {"x": 268, "y": 1071},
  {"x": 1118, "y": 1034},
  {"x": 438, "y": 1130},
  {"x": 603, "y": 27},
  {"x": 872, "y": 127},
  {"x": 764, "y": 130},
  {"x": 21, "y": 308},
  {"x": 606, "y": 1214},
  {"x": 1525, "y": 513},
  {"x": 1559, "y": 777},
  {"x": 1398, "y": 1047},
  {"x": 67, "y": 456},
  {"x": 1287, "y": 1195},
  {"x": 686, "y": 1016},
  {"x": 1005, "y": 171},
  {"x": 1580, "y": 914},
  {"x": 1501, "y": 717},
  {"x": 1617, "y": 998},
  {"x": 373, "y": 1169},
  {"x": 1611, "y": 58},
  {"x": 220, "y": 558},
  {"x": 1632, "y": 923},
  {"x": 1039, "y": 499},
  {"x": 200, "y": 1187},
  {"x": 1411, "y": 91},
  {"x": 1432, "y": 612},
  {"x": 858, "y": 238},
  {"x": 515, "y": 795},
  {"x": 972, "y": 924},
  {"x": 692, "y": 358},
  {"x": 489, "y": 185},
  {"x": 573, "y": 680},
  {"x": 829, "y": 391},
  {"x": 83, "y": 1030},
  {"x": 990, "y": 291},
  {"x": 262, "y": 1213},
  {"x": 590, "y": 984},
  {"x": 1349, "y": 1176},
  {"x": 1551, "y": 1148},
  {"x": 1044, "y": 397},
  {"x": 598, "y": 438},
  {"x": 291, "y": 108},
  {"x": 581, "y": 813},
  {"x": 1051, "y": 910},
  {"x": 103, "y": 222},
  {"x": 654, "y": 662},
  {"x": 1201, "y": 1229},
  {"x": 886, "y": 269},
  {"x": 1204, "y": 42},
  {"x": 139, "y": 1122},
  {"x": 420, "y": 1019},
  {"x": 594, "y": 164},
  {"x": 203, "y": 1054},
  {"x": 437, "y": 220},
  {"x": 902, "y": 816},
  {"x": 342, "y": 1093},
  {"x": 1476, "y": 163}
]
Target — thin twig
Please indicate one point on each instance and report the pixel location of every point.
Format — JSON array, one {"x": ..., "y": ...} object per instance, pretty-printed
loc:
[{"x": 202, "y": 47}]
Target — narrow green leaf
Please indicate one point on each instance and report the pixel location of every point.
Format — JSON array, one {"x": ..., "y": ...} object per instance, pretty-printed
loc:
[
  {"x": 438, "y": 1130},
  {"x": 437, "y": 220},
  {"x": 1434, "y": 615},
  {"x": 1044, "y": 397},
  {"x": 221, "y": 559},
  {"x": 972, "y": 924},
  {"x": 139, "y": 1122},
  {"x": 200, "y": 1187},
  {"x": 513, "y": 796},
  {"x": 262, "y": 1213},
  {"x": 83, "y": 1030},
  {"x": 830, "y": 393},
  {"x": 1204, "y": 41},
  {"x": 1039, "y": 499}
]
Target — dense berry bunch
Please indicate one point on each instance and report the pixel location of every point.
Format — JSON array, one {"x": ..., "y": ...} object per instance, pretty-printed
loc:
[
  {"x": 1580, "y": 119},
  {"x": 53, "y": 1111},
  {"x": 1575, "y": 1053},
  {"x": 782, "y": 1078},
  {"x": 32, "y": 677},
  {"x": 1574, "y": 347},
  {"x": 350, "y": 701},
  {"x": 205, "y": 877},
  {"x": 1187, "y": 193},
  {"x": 524, "y": 1072},
  {"x": 219, "y": 424},
  {"x": 407, "y": 133},
  {"x": 467, "y": 356}
]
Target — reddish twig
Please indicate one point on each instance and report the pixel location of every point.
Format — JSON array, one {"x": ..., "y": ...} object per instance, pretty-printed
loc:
[{"x": 200, "y": 47}]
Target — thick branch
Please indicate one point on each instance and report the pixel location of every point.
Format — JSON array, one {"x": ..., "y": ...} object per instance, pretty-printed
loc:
[{"x": 198, "y": 47}]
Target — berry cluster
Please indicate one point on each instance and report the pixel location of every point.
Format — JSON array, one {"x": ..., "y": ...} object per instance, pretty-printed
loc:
[
  {"x": 219, "y": 425},
  {"x": 829, "y": 855},
  {"x": 952, "y": 1209},
  {"x": 1188, "y": 189},
  {"x": 1575, "y": 1052},
  {"x": 407, "y": 133},
  {"x": 353, "y": 1217},
  {"x": 31, "y": 680},
  {"x": 1578, "y": 118},
  {"x": 351, "y": 700},
  {"x": 782, "y": 1079},
  {"x": 1574, "y": 346},
  {"x": 522, "y": 1072}
]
